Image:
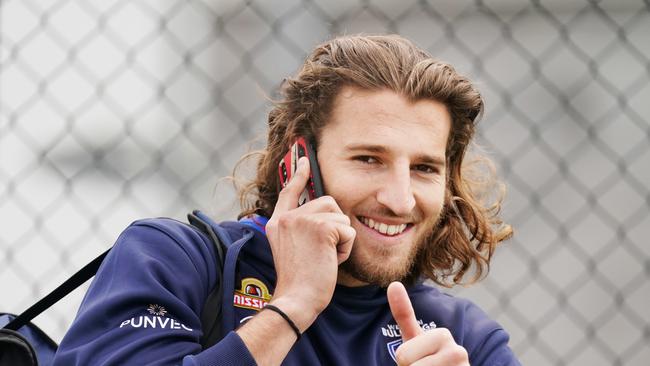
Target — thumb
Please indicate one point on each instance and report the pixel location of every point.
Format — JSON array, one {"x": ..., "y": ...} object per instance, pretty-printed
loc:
[
  {"x": 400, "y": 306},
  {"x": 288, "y": 197}
]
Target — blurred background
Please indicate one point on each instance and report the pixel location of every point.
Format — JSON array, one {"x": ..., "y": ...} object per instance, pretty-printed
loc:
[{"x": 116, "y": 110}]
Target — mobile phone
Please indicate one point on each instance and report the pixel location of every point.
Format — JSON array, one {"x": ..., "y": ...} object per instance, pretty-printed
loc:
[{"x": 289, "y": 163}]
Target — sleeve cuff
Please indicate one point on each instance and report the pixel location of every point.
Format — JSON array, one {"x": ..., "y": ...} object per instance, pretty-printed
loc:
[{"x": 231, "y": 350}]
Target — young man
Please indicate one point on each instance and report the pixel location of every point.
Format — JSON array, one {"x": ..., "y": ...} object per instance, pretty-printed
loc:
[{"x": 338, "y": 280}]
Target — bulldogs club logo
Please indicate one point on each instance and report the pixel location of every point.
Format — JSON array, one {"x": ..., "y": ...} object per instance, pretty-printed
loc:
[
  {"x": 392, "y": 348},
  {"x": 253, "y": 294},
  {"x": 392, "y": 331}
]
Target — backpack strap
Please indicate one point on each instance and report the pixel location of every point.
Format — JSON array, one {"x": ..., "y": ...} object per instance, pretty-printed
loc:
[
  {"x": 212, "y": 315},
  {"x": 77, "y": 279}
]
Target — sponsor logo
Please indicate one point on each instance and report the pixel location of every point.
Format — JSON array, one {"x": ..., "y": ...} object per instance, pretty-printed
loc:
[
  {"x": 253, "y": 294},
  {"x": 157, "y": 319},
  {"x": 155, "y": 309}
]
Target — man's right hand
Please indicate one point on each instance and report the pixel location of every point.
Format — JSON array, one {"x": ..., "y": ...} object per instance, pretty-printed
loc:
[{"x": 308, "y": 244}]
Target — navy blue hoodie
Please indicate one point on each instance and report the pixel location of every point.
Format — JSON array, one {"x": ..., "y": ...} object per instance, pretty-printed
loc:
[{"x": 144, "y": 306}]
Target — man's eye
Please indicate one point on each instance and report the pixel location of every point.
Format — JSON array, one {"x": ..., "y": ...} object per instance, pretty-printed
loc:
[
  {"x": 366, "y": 159},
  {"x": 428, "y": 169}
]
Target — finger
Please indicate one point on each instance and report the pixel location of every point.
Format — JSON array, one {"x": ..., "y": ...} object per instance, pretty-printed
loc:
[
  {"x": 330, "y": 228},
  {"x": 444, "y": 359},
  {"x": 343, "y": 249},
  {"x": 438, "y": 341},
  {"x": 452, "y": 356},
  {"x": 427, "y": 361},
  {"x": 400, "y": 306},
  {"x": 322, "y": 204},
  {"x": 288, "y": 197},
  {"x": 324, "y": 217}
]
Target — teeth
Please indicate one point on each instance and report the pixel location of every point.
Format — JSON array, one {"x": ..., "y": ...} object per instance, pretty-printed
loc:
[
  {"x": 392, "y": 230},
  {"x": 384, "y": 228}
]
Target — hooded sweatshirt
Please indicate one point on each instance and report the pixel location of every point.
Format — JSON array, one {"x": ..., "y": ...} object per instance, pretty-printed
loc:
[{"x": 144, "y": 306}]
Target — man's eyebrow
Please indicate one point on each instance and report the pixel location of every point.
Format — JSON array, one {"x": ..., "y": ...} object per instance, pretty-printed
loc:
[
  {"x": 379, "y": 149},
  {"x": 433, "y": 160},
  {"x": 366, "y": 147}
]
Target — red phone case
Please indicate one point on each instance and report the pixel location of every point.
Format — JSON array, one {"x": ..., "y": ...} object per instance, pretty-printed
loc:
[{"x": 288, "y": 164}]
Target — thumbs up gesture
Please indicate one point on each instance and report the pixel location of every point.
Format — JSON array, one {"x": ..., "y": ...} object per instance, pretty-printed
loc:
[{"x": 433, "y": 347}]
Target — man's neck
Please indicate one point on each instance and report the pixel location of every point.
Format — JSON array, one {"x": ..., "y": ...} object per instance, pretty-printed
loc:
[{"x": 346, "y": 279}]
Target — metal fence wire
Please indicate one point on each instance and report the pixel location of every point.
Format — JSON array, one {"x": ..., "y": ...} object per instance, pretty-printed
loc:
[{"x": 117, "y": 110}]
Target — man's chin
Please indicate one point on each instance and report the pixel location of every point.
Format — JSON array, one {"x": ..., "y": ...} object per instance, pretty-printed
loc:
[
  {"x": 380, "y": 266},
  {"x": 381, "y": 272}
]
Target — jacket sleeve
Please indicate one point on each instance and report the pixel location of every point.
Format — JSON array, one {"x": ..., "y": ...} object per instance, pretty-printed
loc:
[
  {"x": 495, "y": 351},
  {"x": 144, "y": 305},
  {"x": 485, "y": 340}
]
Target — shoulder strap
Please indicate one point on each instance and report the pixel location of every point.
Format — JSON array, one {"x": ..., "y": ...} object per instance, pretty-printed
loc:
[
  {"x": 211, "y": 316},
  {"x": 77, "y": 279}
]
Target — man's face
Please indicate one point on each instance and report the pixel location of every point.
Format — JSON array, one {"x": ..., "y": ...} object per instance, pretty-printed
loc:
[{"x": 382, "y": 158}]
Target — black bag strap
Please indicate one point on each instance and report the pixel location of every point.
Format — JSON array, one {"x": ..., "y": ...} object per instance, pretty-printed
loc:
[
  {"x": 194, "y": 218},
  {"x": 77, "y": 279},
  {"x": 211, "y": 316}
]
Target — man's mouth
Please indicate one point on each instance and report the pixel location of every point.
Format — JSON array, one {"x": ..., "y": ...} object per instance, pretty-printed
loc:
[{"x": 383, "y": 228}]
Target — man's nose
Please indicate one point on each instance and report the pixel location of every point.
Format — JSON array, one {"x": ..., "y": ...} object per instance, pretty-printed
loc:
[{"x": 396, "y": 192}]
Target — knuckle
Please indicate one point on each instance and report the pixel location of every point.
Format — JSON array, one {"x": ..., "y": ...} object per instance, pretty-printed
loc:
[
  {"x": 348, "y": 222},
  {"x": 457, "y": 354},
  {"x": 349, "y": 231},
  {"x": 284, "y": 221},
  {"x": 332, "y": 234},
  {"x": 284, "y": 191},
  {"x": 400, "y": 357},
  {"x": 446, "y": 334},
  {"x": 344, "y": 219},
  {"x": 329, "y": 202}
]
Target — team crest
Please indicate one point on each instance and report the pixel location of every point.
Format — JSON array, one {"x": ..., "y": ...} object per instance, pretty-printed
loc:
[
  {"x": 392, "y": 347},
  {"x": 253, "y": 294}
]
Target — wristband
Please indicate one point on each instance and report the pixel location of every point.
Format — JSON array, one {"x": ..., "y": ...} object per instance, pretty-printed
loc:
[{"x": 286, "y": 317}]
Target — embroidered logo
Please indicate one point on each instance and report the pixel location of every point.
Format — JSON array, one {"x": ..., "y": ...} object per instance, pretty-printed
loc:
[
  {"x": 155, "y": 309},
  {"x": 253, "y": 294},
  {"x": 157, "y": 319},
  {"x": 392, "y": 348},
  {"x": 393, "y": 331}
]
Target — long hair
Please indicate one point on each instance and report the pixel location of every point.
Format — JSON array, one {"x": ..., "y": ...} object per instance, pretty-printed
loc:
[{"x": 469, "y": 228}]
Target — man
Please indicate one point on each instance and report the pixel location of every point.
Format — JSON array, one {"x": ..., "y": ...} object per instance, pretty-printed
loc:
[{"x": 338, "y": 280}]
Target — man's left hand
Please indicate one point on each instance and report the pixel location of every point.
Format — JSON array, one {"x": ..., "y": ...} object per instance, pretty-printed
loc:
[{"x": 433, "y": 347}]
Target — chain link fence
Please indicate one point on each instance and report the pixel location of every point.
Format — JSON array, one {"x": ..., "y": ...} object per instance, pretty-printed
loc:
[{"x": 116, "y": 110}]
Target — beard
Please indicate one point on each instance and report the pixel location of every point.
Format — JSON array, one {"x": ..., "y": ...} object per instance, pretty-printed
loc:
[{"x": 381, "y": 266}]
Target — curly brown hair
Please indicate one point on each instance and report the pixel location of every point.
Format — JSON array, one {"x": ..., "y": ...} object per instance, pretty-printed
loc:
[{"x": 469, "y": 228}]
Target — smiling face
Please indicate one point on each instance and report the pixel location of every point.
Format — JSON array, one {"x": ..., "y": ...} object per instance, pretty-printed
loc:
[{"x": 382, "y": 158}]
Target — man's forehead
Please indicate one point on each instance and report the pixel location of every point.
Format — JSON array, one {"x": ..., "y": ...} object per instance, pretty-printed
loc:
[
  {"x": 353, "y": 102},
  {"x": 382, "y": 121}
]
